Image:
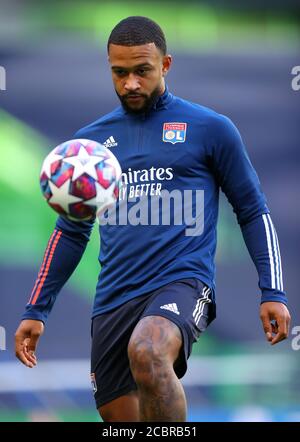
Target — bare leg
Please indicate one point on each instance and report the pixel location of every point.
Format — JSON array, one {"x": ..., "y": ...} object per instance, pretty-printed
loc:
[
  {"x": 123, "y": 409},
  {"x": 153, "y": 348}
]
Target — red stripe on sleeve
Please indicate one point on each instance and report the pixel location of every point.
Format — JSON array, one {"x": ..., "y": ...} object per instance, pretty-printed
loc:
[
  {"x": 49, "y": 259},
  {"x": 42, "y": 266}
]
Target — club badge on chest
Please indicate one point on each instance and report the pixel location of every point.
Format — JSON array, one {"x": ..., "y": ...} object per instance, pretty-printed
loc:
[{"x": 174, "y": 132}]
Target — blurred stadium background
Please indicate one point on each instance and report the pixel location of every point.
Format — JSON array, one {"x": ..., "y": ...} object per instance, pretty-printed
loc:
[{"x": 235, "y": 57}]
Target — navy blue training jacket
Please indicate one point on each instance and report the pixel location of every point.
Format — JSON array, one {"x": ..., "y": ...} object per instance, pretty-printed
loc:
[{"x": 178, "y": 147}]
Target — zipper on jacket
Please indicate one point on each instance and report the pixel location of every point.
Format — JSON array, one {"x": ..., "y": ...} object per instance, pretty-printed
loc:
[{"x": 140, "y": 132}]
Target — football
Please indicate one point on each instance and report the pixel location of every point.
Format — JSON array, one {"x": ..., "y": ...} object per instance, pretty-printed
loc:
[{"x": 80, "y": 178}]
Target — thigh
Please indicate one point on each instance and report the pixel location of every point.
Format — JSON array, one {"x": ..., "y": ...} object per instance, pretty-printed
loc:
[
  {"x": 190, "y": 305},
  {"x": 155, "y": 339}
]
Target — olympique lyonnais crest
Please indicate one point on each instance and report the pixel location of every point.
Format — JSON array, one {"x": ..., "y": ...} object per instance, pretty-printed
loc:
[{"x": 174, "y": 132}]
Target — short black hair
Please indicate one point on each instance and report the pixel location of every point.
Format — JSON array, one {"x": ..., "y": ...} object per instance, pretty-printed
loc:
[{"x": 136, "y": 31}]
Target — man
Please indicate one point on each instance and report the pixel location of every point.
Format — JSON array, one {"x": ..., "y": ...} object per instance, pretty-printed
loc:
[{"x": 156, "y": 291}]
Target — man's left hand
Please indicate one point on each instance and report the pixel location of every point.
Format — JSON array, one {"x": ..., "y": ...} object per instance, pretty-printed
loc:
[{"x": 278, "y": 330}]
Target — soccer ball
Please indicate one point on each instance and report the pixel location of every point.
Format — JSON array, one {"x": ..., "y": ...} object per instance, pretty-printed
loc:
[{"x": 80, "y": 179}]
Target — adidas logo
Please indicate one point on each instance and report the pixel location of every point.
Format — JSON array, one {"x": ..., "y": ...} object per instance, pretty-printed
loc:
[
  {"x": 172, "y": 307},
  {"x": 110, "y": 142}
]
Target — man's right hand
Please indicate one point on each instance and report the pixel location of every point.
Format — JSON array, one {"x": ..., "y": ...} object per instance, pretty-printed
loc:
[{"x": 26, "y": 339}]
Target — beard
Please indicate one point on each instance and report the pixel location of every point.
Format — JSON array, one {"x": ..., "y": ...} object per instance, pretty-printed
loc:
[{"x": 147, "y": 101}]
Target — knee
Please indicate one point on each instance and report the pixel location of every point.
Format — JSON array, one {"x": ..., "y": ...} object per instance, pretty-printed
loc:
[
  {"x": 152, "y": 350},
  {"x": 148, "y": 363}
]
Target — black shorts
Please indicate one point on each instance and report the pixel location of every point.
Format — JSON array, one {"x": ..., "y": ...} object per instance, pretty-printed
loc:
[{"x": 188, "y": 303}]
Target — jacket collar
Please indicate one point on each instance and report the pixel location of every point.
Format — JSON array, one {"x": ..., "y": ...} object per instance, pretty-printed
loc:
[{"x": 163, "y": 100}]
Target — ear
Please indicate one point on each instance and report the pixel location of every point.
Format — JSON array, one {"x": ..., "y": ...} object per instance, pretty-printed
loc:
[{"x": 166, "y": 64}]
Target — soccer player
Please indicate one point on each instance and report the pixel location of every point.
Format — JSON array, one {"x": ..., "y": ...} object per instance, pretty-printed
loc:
[{"x": 156, "y": 291}]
